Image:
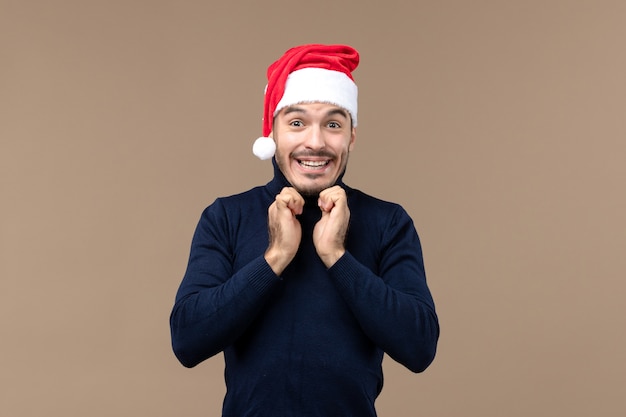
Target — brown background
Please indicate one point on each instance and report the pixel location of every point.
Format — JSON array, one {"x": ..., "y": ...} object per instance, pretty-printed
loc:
[{"x": 499, "y": 125}]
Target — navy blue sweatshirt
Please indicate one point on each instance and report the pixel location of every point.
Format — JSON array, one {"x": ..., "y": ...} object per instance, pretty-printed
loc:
[{"x": 310, "y": 342}]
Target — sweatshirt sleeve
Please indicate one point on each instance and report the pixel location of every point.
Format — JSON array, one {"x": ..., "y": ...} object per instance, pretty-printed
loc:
[
  {"x": 394, "y": 308},
  {"x": 215, "y": 305}
]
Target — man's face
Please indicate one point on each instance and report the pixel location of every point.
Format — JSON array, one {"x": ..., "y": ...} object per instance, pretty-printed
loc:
[{"x": 313, "y": 142}]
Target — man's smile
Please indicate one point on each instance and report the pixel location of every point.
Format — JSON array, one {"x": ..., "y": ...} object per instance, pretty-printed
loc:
[{"x": 309, "y": 164}]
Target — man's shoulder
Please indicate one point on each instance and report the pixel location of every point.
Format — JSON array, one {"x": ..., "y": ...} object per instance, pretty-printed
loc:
[
  {"x": 246, "y": 195},
  {"x": 360, "y": 198},
  {"x": 248, "y": 200}
]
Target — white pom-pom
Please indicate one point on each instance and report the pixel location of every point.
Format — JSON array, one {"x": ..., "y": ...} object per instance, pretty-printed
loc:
[{"x": 264, "y": 148}]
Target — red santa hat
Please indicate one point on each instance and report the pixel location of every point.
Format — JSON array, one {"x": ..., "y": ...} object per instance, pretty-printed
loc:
[{"x": 308, "y": 74}]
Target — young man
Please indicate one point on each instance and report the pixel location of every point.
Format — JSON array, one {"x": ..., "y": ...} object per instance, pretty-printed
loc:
[{"x": 304, "y": 283}]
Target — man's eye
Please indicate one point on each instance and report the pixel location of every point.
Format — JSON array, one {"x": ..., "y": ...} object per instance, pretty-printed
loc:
[
  {"x": 296, "y": 123},
  {"x": 334, "y": 125}
]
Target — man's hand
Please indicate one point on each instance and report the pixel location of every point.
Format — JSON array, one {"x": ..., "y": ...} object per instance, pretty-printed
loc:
[
  {"x": 330, "y": 232},
  {"x": 284, "y": 229}
]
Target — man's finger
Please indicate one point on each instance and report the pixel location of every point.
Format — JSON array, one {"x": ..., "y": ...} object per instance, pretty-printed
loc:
[
  {"x": 291, "y": 199},
  {"x": 331, "y": 197}
]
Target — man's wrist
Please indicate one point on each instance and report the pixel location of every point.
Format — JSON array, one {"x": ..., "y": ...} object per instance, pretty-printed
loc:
[
  {"x": 276, "y": 261},
  {"x": 330, "y": 259}
]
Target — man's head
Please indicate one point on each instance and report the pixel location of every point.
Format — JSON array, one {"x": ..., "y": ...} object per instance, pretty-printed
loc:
[
  {"x": 313, "y": 142},
  {"x": 310, "y": 114}
]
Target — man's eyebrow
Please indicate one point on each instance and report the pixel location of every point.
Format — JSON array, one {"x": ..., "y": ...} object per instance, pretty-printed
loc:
[
  {"x": 293, "y": 109},
  {"x": 339, "y": 111}
]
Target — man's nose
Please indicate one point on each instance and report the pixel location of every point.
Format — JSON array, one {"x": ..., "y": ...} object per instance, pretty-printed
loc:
[{"x": 315, "y": 138}]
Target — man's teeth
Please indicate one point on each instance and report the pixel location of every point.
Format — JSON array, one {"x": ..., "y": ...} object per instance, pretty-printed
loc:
[{"x": 313, "y": 164}]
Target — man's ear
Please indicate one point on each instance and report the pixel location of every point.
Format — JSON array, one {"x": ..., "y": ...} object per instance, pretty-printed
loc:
[{"x": 352, "y": 139}]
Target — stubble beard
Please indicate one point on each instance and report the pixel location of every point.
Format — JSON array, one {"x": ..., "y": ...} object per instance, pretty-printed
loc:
[{"x": 312, "y": 191}]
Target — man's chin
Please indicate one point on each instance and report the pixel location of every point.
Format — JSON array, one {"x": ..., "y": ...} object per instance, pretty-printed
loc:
[{"x": 311, "y": 190}]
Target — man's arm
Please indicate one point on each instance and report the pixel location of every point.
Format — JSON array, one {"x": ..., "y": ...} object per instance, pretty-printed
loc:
[
  {"x": 402, "y": 322},
  {"x": 215, "y": 305},
  {"x": 395, "y": 309}
]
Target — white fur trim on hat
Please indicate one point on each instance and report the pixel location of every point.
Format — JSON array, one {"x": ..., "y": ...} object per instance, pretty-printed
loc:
[
  {"x": 310, "y": 85},
  {"x": 264, "y": 147}
]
